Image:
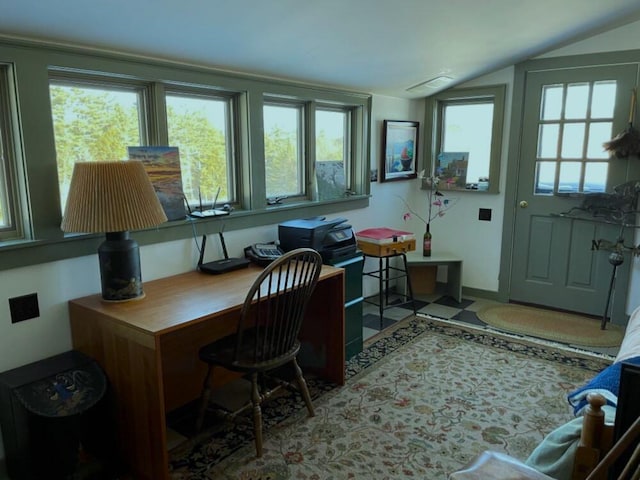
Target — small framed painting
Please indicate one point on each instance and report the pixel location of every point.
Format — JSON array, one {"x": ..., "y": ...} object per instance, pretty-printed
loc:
[{"x": 399, "y": 150}]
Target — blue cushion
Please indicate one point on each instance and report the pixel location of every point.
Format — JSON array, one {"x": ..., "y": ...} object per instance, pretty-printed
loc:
[{"x": 606, "y": 383}]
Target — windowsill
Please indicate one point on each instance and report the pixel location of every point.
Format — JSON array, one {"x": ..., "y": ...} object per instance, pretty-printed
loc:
[{"x": 22, "y": 253}]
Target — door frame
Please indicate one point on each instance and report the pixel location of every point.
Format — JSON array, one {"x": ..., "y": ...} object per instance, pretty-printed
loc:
[{"x": 515, "y": 146}]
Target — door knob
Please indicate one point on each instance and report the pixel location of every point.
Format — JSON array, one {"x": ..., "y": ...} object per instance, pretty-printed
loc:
[{"x": 524, "y": 204}]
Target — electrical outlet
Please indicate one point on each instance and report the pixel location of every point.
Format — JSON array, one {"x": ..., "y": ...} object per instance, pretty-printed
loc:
[
  {"x": 484, "y": 214},
  {"x": 24, "y": 307}
]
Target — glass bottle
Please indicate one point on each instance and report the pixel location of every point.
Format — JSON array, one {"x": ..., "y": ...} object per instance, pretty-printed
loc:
[{"x": 426, "y": 243}]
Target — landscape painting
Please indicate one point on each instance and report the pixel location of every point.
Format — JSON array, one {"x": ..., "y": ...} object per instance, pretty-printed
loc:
[{"x": 163, "y": 167}]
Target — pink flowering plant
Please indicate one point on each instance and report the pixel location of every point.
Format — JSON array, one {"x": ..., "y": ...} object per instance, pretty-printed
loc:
[{"x": 437, "y": 203}]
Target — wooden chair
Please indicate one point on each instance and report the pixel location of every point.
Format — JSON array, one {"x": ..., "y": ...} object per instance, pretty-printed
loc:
[{"x": 266, "y": 337}]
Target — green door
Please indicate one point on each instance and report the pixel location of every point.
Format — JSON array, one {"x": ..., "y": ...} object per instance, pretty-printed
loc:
[{"x": 567, "y": 115}]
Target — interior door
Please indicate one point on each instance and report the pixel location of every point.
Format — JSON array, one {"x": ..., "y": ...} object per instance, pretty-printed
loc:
[{"x": 567, "y": 115}]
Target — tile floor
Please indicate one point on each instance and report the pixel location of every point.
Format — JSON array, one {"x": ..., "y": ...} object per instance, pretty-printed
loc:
[{"x": 437, "y": 305}]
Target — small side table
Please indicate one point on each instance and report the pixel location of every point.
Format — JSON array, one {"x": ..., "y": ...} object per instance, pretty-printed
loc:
[
  {"x": 451, "y": 261},
  {"x": 387, "y": 272}
]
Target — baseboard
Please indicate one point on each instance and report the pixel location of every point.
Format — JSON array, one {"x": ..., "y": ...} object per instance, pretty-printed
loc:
[{"x": 479, "y": 293}]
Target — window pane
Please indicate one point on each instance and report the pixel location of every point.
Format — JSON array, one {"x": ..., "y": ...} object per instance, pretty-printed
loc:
[
  {"x": 577, "y": 101},
  {"x": 598, "y": 134},
  {"x": 468, "y": 128},
  {"x": 545, "y": 177},
  {"x": 282, "y": 151},
  {"x": 92, "y": 123},
  {"x": 572, "y": 140},
  {"x": 197, "y": 125},
  {"x": 551, "y": 102},
  {"x": 331, "y": 153},
  {"x": 569, "y": 177},
  {"x": 548, "y": 141},
  {"x": 595, "y": 177},
  {"x": 604, "y": 99}
]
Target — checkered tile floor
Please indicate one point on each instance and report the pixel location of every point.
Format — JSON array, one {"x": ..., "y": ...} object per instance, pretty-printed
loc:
[
  {"x": 436, "y": 305},
  {"x": 433, "y": 304}
]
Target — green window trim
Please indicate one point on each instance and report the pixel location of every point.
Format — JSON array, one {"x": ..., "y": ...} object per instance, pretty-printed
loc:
[
  {"x": 461, "y": 96},
  {"x": 33, "y": 64}
]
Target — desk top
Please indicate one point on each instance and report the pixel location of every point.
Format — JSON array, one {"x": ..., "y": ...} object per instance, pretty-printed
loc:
[{"x": 171, "y": 302}]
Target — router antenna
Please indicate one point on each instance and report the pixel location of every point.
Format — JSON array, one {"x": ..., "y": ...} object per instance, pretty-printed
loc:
[
  {"x": 215, "y": 200},
  {"x": 224, "y": 245}
]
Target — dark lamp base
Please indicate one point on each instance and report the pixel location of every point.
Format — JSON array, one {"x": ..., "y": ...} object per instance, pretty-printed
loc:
[{"x": 120, "y": 273}]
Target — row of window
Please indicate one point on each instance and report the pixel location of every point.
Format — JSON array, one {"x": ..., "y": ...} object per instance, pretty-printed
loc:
[{"x": 312, "y": 145}]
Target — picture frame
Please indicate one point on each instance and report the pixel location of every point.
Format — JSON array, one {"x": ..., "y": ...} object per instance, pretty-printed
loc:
[{"x": 399, "y": 150}]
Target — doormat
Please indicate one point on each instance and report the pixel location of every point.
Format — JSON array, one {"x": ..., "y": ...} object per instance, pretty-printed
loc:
[{"x": 551, "y": 325}]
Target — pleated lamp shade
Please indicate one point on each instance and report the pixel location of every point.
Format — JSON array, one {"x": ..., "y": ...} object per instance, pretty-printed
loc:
[{"x": 113, "y": 198}]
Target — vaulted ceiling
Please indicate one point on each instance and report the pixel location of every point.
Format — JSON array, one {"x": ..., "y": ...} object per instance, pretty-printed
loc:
[{"x": 378, "y": 46}]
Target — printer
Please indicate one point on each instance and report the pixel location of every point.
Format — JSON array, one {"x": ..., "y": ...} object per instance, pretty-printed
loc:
[{"x": 333, "y": 239}]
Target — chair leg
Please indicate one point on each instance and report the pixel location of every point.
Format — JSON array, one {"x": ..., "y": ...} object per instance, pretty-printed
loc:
[
  {"x": 303, "y": 388},
  {"x": 257, "y": 413},
  {"x": 205, "y": 396}
]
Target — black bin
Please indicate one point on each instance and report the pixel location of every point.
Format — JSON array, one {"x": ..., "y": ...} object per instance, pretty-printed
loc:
[{"x": 56, "y": 420}]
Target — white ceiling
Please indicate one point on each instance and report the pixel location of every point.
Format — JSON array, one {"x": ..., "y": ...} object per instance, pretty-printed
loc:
[{"x": 376, "y": 46}]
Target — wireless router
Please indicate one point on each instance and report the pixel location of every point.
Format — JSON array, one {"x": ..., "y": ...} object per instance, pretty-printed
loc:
[
  {"x": 220, "y": 266},
  {"x": 212, "y": 212}
]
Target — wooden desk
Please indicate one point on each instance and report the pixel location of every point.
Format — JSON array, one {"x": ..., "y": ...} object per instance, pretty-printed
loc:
[{"x": 149, "y": 348}]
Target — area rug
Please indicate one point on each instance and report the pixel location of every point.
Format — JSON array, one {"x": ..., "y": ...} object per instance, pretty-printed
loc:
[
  {"x": 419, "y": 402},
  {"x": 551, "y": 325}
]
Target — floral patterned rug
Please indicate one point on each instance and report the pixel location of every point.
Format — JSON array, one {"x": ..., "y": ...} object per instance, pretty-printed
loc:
[{"x": 419, "y": 402}]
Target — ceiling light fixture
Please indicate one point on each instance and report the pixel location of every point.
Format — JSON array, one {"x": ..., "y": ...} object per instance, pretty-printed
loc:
[{"x": 432, "y": 84}]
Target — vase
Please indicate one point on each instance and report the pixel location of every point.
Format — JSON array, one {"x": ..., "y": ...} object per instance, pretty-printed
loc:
[{"x": 426, "y": 243}]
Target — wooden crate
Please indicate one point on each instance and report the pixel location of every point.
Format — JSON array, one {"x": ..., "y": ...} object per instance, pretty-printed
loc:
[
  {"x": 423, "y": 278},
  {"x": 387, "y": 249}
]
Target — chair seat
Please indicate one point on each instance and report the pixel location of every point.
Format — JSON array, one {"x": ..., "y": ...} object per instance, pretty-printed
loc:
[{"x": 222, "y": 353}]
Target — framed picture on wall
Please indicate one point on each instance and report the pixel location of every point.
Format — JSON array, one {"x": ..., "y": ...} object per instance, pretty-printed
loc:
[{"x": 399, "y": 150}]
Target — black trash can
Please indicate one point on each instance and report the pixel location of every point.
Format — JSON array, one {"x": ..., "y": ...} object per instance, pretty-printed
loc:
[{"x": 57, "y": 421}]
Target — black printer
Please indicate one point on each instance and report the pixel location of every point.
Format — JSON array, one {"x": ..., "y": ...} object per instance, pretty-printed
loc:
[{"x": 333, "y": 239}]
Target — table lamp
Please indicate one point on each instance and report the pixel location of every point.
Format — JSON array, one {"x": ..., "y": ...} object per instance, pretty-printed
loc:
[{"x": 113, "y": 198}]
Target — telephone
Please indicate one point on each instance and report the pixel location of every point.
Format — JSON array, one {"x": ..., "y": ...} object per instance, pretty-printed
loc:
[{"x": 262, "y": 253}]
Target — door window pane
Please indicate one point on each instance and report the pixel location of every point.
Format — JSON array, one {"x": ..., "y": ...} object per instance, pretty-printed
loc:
[
  {"x": 551, "y": 102},
  {"x": 577, "y": 101},
  {"x": 284, "y": 167},
  {"x": 572, "y": 140},
  {"x": 569, "y": 177},
  {"x": 548, "y": 141},
  {"x": 598, "y": 134},
  {"x": 595, "y": 177},
  {"x": 603, "y": 99},
  {"x": 198, "y": 126},
  {"x": 92, "y": 123},
  {"x": 545, "y": 177}
]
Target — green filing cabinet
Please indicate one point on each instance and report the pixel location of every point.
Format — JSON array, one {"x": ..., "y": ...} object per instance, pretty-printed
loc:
[{"x": 352, "y": 266}]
